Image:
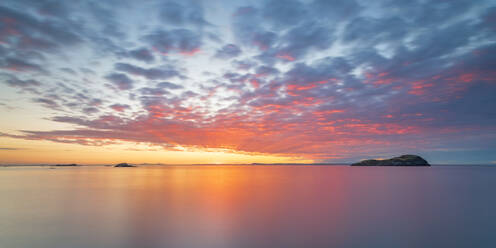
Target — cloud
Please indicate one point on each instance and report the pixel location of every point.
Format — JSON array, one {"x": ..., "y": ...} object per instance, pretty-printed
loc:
[
  {"x": 90, "y": 110},
  {"x": 300, "y": 39},
  {"x": 180, "y": 40},
  {"x": 48, "y": 103},
  {"x": 51, "y": 8},
  {"x": 300, "y": 31},
  {"x": 264, "y": 40},
  {"x": 122, "y": 81},
  {"x": 266, "y": 71},
  {"x": 37, "y": 34},
  {"x": 243, "y": 64},
  {"x": 153, "y": 91},
  {"x": 15, "y": 82},
  {"x": 489, "y": 18},
  {"x": 169, "y": 85},
  {"x": 182, "y": 13},
  {"x": 106, "y": 18},
  {"x": 370, "y": 30},
  {"x": 319, "y": 79},
  {"x": 142, "y": 54},
  {"x": 228, "y": 51},
  {"x": 119, "y": 107},
  {"x": 336, "y": 10},
  {"x": 152, "y": 73},
  {"x": 69, "y": 70},
  {"x": 16, "y": 65},
  {"x": 284, "y": 13},
  {"x": 244, "y": 28},
  {"x": 429, "y": 14},
  {"x": 10, "y": 148}
]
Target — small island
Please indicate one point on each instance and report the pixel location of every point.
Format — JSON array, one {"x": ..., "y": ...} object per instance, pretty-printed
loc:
[
  {"x": 124, "y": 165},
  {"x": 64, "y": 165},
  {"x": 404, "y": 160}
]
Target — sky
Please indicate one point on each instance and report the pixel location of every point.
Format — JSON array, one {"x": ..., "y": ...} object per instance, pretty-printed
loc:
[{"x": 221, "y": 81}]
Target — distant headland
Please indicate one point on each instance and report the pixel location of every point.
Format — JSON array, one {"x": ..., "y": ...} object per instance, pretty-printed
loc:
[
  {"x": 124, "y": 165},
  {"x": 403, "y": 160},
  {"x": 64, "y": 165}
]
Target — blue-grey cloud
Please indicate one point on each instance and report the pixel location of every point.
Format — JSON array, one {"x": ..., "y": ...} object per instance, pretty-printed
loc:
[
  {"x": 16, "y": 82},
  {"x": 176, "y": 40},
  {"x": 182, "y": 13},
  {"x": 147, "y": 91},
  {"x": 17, "y": 65},
  {"x": 39, "y": 34},
  {"x": 122, "y": 81},
  {"x": 228, "y": 51},
  {"x": 49, "y": 103},
  {"x": 152, "y": 73},
  {"x": 142, "y": 54},
  {"x": 284, "y": 13},
  {"x": 90, "y": 110},
  {"x": 169, "y": 85}
]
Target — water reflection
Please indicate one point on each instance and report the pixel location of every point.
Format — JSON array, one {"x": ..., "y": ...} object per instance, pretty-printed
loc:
[{"x": 247, "y": 206}]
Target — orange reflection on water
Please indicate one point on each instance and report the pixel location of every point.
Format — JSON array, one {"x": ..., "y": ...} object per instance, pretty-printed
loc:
[{"x": 240, "y": 206}]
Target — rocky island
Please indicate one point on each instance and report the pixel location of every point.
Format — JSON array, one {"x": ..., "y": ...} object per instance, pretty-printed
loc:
[
  {"x": 124, "y": 165},
  {"x": 64, "y": 165},
  {"x": 404, "y": 160}
]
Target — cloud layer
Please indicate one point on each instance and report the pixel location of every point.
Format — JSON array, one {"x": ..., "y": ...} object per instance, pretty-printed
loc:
[{"x": 324, "y": 80}]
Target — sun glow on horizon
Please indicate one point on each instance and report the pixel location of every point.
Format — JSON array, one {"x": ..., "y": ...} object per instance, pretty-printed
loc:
[{"x": 46, "y": 152}]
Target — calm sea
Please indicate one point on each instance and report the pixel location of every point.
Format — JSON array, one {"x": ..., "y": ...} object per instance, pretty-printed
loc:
[{"x": 247, "y": 206}]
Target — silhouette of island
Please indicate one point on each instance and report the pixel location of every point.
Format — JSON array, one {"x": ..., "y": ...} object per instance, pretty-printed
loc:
[
  {"x": 124, "y": 165},
  {"x": 404, "y": 160},
  {"x": 66, "y": 165}
]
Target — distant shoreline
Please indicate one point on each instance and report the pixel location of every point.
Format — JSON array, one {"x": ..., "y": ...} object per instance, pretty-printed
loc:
[{"x": 253, "y": 164}]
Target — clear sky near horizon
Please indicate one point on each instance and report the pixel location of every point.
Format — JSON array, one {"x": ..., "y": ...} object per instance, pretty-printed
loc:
[{"x": 247, "y": 81}]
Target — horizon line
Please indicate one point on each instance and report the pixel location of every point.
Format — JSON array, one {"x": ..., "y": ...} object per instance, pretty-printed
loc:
[{"x": 221, "y": 164}]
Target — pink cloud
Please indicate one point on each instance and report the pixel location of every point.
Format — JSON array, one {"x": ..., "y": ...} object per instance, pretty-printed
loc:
[
  {"x": 285, "y": 56},
  {"x": 119, "y": 107}
]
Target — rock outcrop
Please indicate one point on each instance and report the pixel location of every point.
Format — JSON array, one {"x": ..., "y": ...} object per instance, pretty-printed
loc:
[
  {"x": 404, "y": 160},
  {"x": 124, "y": 165}
]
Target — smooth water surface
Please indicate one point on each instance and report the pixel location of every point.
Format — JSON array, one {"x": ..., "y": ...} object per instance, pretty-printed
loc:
[{"x": 247, "y": 206}]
